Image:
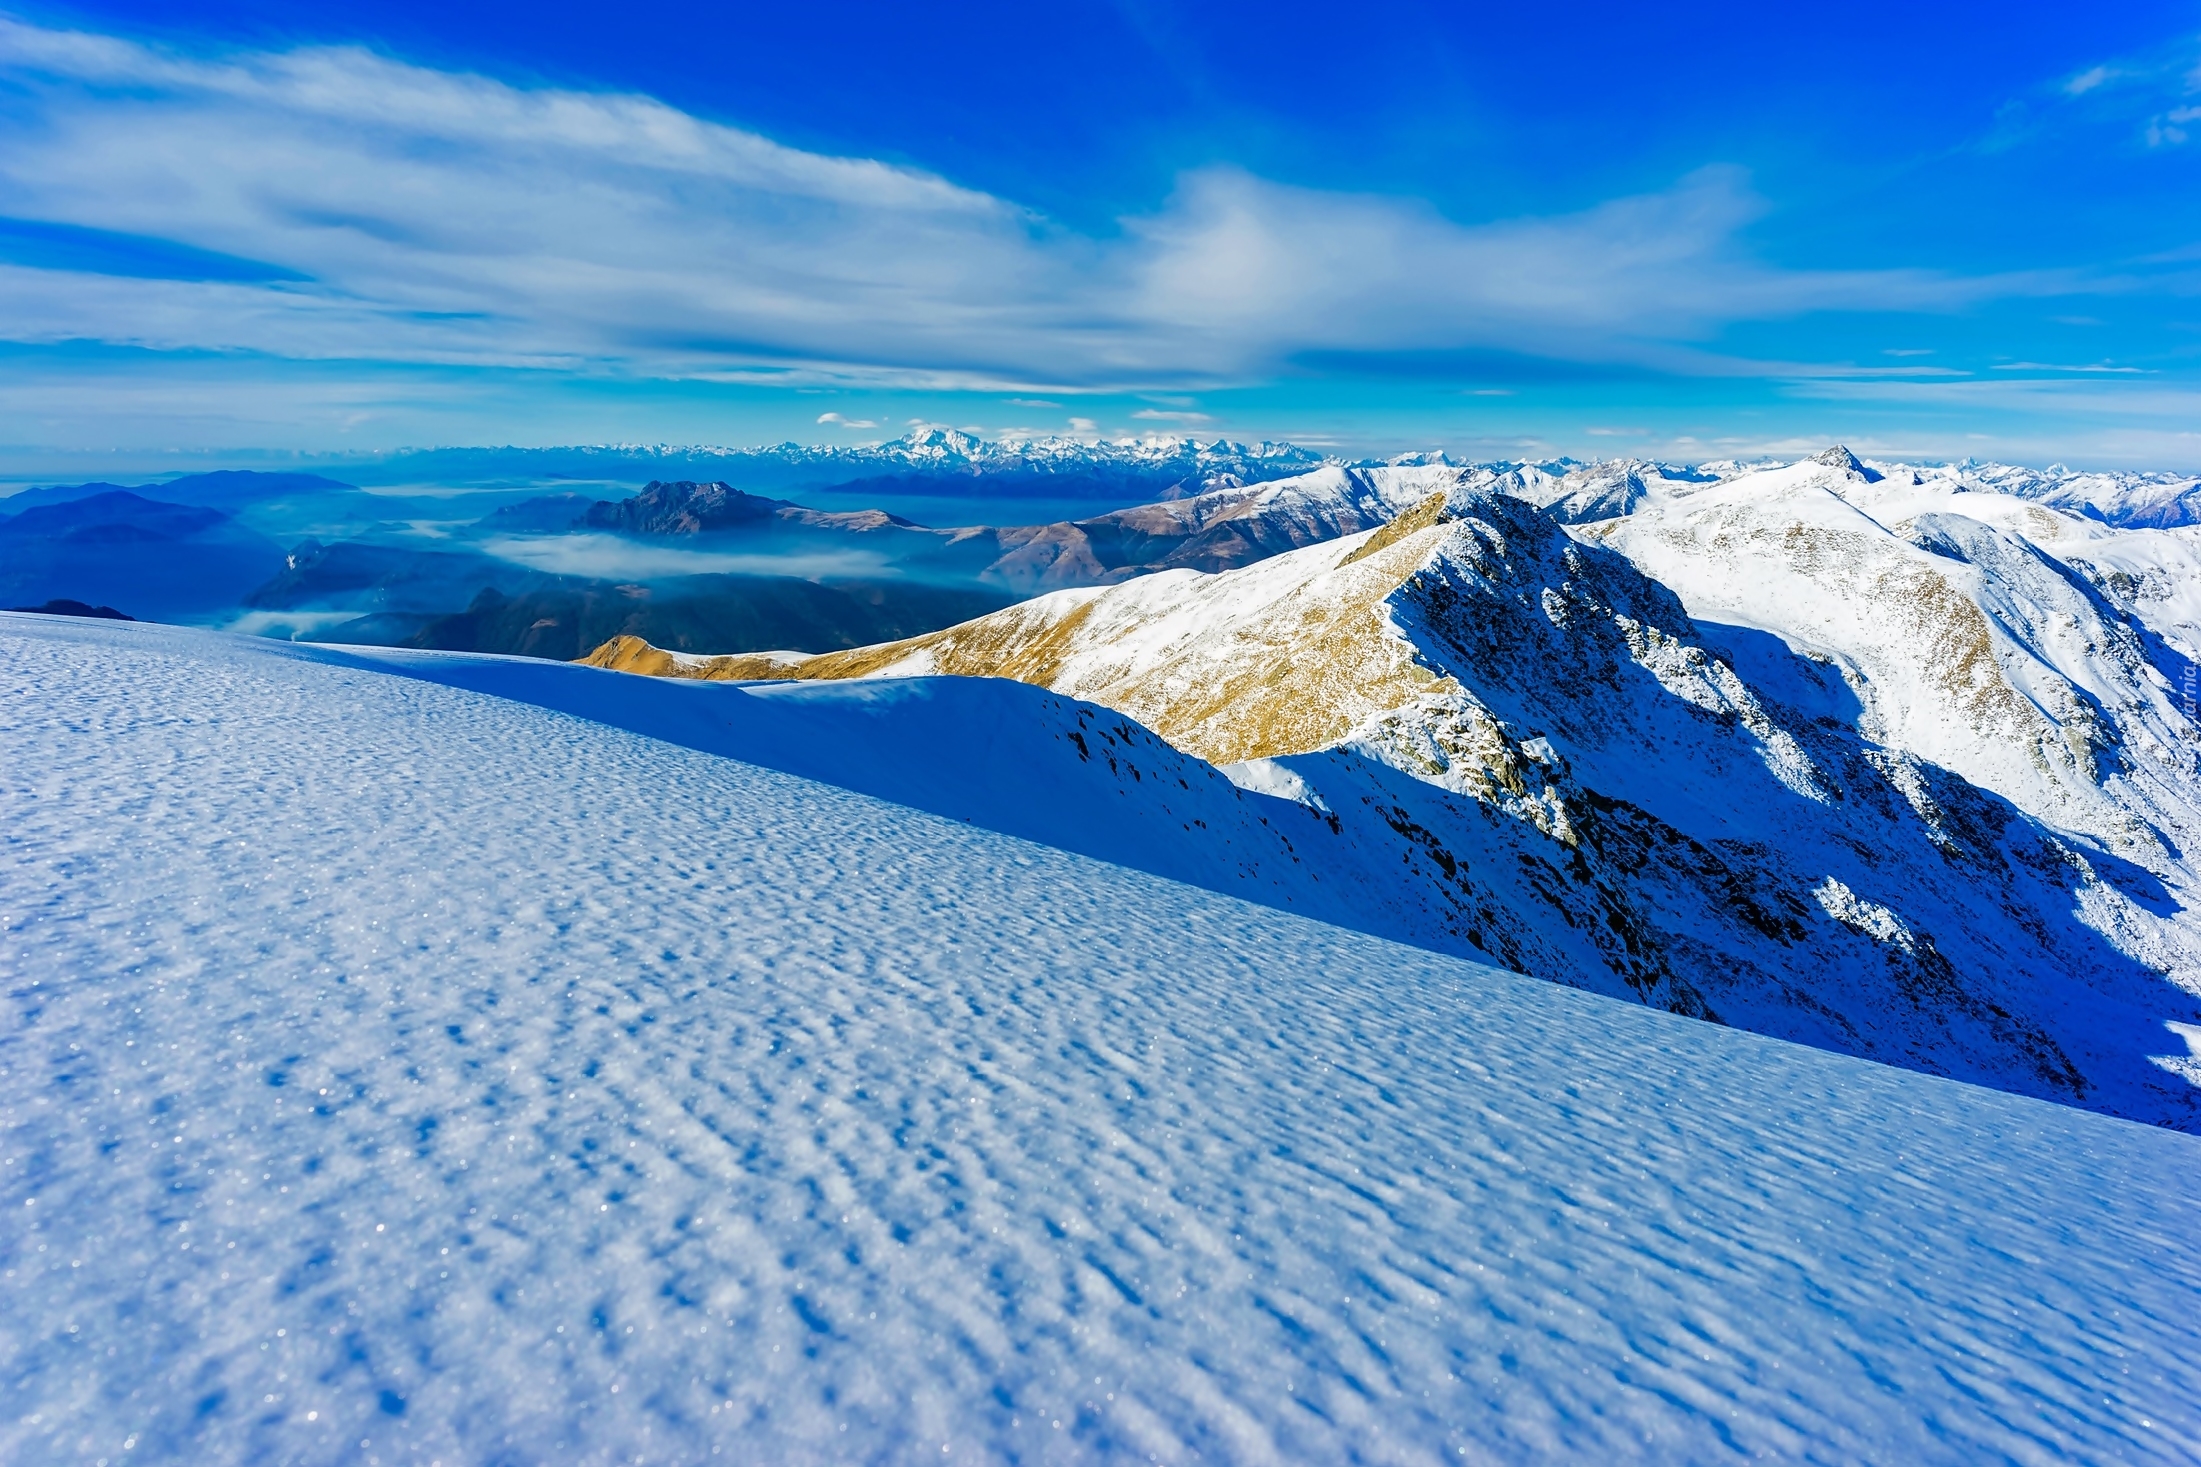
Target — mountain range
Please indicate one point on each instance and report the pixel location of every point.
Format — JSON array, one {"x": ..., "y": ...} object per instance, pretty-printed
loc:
[
  {"x": 726, "y": 564},
  {"x": 1887, "y": 760},
  {"x": 1131, "y": 469},
  {"x": 1156, "y": 468}
]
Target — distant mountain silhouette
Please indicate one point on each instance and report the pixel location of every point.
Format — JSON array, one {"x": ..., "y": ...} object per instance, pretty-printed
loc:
[
  {"x": 65, "y": 607},
  {"x": 225, "y": 489},
  {"x": 166, "y": 560}
]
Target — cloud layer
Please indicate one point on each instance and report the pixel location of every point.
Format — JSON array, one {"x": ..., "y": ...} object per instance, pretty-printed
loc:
[{"x": 408, "y": 214}]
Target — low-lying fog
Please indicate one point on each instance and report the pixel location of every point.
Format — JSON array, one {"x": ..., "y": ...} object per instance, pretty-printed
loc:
[{"x": 607, "y": 557}]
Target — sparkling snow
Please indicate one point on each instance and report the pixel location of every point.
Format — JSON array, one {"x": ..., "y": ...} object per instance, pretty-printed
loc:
[{"x": 394, "y": 1072}]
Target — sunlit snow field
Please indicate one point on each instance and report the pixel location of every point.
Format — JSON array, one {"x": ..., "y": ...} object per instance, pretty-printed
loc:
[{"x": 393, "y": 1072}]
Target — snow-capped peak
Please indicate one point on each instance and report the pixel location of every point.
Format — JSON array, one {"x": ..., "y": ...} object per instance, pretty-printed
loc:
[{"x": 1839, "y": 457}]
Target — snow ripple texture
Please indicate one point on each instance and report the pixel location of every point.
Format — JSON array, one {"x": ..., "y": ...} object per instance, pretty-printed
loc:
[{"x": 394, "y": 1073}]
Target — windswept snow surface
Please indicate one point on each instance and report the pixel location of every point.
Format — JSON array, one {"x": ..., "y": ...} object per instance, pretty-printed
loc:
[{"x": 398, "y": 1073}]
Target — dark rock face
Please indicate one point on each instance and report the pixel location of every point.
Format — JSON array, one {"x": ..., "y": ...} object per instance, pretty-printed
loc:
[{"x": 684, "y": 507}]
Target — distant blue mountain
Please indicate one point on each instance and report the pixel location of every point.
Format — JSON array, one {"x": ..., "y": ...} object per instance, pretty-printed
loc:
[
  {"x": 224, "y": 489},
  {"x": 113, "y": 515},
  {"x": 545, "y": 514},
  {"x": 152, "y": 558}
]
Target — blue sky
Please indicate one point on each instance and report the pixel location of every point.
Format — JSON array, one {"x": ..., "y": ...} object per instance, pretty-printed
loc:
[{"x": 1943, "y": 230}]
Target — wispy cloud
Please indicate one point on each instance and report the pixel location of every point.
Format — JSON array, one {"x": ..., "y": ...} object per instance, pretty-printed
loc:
[
  {"x": 2169, "y": 129},
  {"x": 844, "y": 422},
  {"x": 1157, "y": 415},
  {"x": 1283, "y": 270},
  {"x": 2102, "y": 367},
  {"x": 383, "y": 211},
  {"x": 2150, "y": 89}
]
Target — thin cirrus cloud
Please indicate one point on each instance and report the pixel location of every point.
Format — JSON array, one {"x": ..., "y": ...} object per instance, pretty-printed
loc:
[
  {"x": 379, "y": 210},
  {"x": 2097, "y": 367},
  {"x": 2153, "y": 89}
]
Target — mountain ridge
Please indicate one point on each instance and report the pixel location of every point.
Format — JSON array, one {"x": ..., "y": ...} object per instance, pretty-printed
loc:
[{"x": 1611, "y": 779}]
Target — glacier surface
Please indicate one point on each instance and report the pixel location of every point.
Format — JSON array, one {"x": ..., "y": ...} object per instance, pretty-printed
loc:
[{"x": 394, "y": 1072}]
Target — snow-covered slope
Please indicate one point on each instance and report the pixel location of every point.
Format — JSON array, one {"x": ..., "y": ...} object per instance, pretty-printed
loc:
[
  {"x": 2126, "y": 498},
  {"x": 1955, "y": 623},
  {"x": 1576, "y": 493},
  {"x": 398, "y": 1073},
  {"x": 983, "y": 751},
  {"x": 1521, "y": 745}
]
